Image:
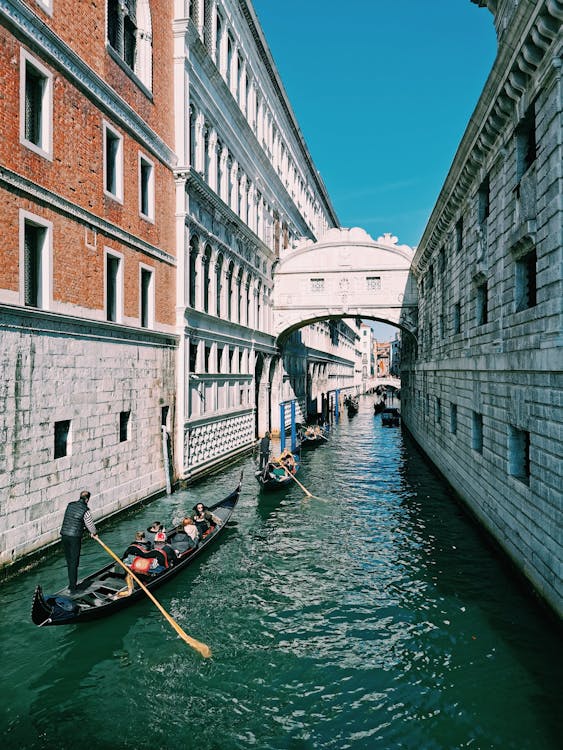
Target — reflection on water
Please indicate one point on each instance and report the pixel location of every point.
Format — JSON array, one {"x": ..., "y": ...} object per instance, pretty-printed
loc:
[{"x": 380, "y": 617}]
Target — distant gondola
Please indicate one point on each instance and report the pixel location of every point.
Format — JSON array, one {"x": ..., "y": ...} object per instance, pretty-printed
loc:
[
  {"x": 98, "y": 594},
  {"x": 313, "y": 435},
  {"x": 378, "y": 406},
  {"x": 390, "y": 417},
  {"x": 274, "y": 476},
  {"x": 352, "y": 405}
]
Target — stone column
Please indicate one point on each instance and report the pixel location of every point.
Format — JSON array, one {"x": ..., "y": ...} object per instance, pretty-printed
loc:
[
  {"x": 224, "y": 175},
  {"x": 243, "y": 203},
  {"x": 234, "y": 187},
  {"x": 212, "y": 158},
  {"x": 199, "y": 143}
]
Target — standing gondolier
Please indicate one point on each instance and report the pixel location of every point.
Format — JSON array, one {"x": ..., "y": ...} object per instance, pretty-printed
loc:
[
  {"x": 264, "y": 451},
  {"x": 77, "y": 516}
]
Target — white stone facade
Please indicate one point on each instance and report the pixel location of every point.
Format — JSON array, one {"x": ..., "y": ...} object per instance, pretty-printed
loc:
[
  {"x": 483, "y": 393},
  {"x": 246, "y": 191},
  {"x": 109, "y": 386}
]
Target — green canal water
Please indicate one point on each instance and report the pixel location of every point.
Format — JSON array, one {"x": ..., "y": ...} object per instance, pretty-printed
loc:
[{"x": 379, "y": 617}]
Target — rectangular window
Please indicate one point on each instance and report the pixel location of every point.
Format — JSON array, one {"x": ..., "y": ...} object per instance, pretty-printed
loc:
[
  {"x": 442, "y": 261},
  {"x": 207, "y": 357},
  {"x": 484, "y": 200},
  {"x": 317, "y": 285},
  {"x": 441, "y": 326},
  {"x": 477, "y": 432},
  {"x": 35, "y": 261},
  {"x": 453, "y": 419},
  {"x": 438, "y": 410},
  {"x": 526, "y": 281},
  {"x": 456, "y": 321},
  {"x": 373, "y": 283},
  {"x": 193, "y": 356},
  {"x": 481, "y": 304},
  {"x": 36, "y": 106},
  {"x": 114, "y": 286},
  {"x": 459, "y": 235},
  {"x": 519, "y": 454},
  {"x": 146, "y": 188},
  {"x": 147, "y": 297},
  {"x": 62, "y": 438},
  {"x": 526, "y": 148},
  {"x": 113, "y": 163},
  {"x": 124, "y": 420},
  {"x": 431, "y": 276}
]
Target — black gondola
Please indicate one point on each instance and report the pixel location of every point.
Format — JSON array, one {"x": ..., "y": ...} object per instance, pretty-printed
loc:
[
  {"x": 390, "y": 417},
  {"x": 274, "y": 477},
  {"x": 352, "y": 405},
  {"x": 378, "y": 407},
  {"x": 313, "y": 435},
  {"x": 99, "y": 595}
]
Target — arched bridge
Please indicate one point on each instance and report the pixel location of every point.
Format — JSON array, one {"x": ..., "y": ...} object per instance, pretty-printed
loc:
[{"x": 346, "y": 274}]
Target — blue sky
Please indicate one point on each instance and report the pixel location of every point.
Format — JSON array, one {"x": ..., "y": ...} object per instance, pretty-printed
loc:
[{"x": 382, "y": 91}]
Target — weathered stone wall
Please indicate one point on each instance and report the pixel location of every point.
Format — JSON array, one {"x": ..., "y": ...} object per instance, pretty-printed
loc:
[
  {"x": 53, "y": 369},
  {"x": 502, "y": 369}
]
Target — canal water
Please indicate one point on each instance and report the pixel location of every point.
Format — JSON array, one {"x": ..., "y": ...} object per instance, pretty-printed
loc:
[{"x": 375, "y": 617}]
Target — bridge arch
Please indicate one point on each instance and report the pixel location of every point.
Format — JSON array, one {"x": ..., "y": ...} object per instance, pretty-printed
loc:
[{"x": 346, "y": 274}]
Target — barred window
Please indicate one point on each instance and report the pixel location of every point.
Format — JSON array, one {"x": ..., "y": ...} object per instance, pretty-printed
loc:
[
  {"x": 129, "y": 35},
  {"x": 317, "y": 285},
  {"x": 35, "y": 105},
  {"x": 373, "y": 283}
]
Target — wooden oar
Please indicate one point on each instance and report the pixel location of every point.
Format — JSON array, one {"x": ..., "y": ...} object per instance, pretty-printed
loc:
[{"x": 201, "y": 647}]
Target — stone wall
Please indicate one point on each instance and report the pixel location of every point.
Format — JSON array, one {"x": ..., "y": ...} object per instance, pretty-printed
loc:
[
  {"x": 55, "y": 369},
  {"x": 482, "y": 389}
]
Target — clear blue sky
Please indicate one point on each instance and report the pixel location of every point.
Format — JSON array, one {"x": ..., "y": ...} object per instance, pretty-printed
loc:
[{"x": 382, "y": 91}]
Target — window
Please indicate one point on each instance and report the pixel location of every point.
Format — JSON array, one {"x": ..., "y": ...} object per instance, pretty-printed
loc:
[
  {"x": 438, "y": 410},
  {"x": 146, "y": 297},
  {"x": 431, "y": 276},
  {"x": 114, "y": 285},
  {"x": 146, "y": 188},
  {"x": 129, "y": 36},
  {"x": 35, "y": 261},
  {"x": 36, "y": 106},
  {"x": 459, "y": 235},
  {"x": 519, "y": 454},
  {"x": 113, "y": 163},
  {"x": 481, "y": 304},
  {"x": 207, "y": 359},
  {"x": 193, "y": 356},
  {"x": 317, "y": 285},
  {"x": 526, "y": 148},
  {"x": 441, "y": 328},
  {"x": 194, "y": 250},
  {"x": 457, "y": 318},
  {"x": 62, "y": 438},
  {"x": 453, "y": 419},
  {"x": 477, "y": 432},
  {"x": 124, "y": 425},
  {"x": 484, "y": 200},
  {"x": 373, "y": 283},
  {"x": 526, "y": 281}
]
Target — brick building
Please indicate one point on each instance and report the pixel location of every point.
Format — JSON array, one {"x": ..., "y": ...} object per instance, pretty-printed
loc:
[{"x": 87, "y": 259}]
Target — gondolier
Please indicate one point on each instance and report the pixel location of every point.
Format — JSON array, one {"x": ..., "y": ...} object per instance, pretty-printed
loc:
[
  {"x": 76, "y": 517},
  {"x": 264, "y": 451}
]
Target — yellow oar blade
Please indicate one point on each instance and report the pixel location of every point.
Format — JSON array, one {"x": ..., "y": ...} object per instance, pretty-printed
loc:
[{"x": 197, "y": 645}]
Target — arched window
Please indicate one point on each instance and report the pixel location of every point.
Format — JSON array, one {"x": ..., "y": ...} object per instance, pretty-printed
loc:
[
  {"x": 218, "y": 283},
  {"x": 230, "y": 273},
  {"x": 194, "y": 250},
  {"x": 206, "y": 279},
  {"x": 129, "y": 34}
]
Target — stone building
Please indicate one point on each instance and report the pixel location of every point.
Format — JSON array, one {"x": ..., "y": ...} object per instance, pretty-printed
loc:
[
  {"x": 88, "y": 266},
  {"x": 482, "y": 389},
  {"x": 246, "y": 191}
]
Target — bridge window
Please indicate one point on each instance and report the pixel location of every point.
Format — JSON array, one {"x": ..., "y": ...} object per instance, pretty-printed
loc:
[
  {"x": 373, "y": 283},
  {"x": 317, "y": 285},
  {"x": 526, "y": 285}
]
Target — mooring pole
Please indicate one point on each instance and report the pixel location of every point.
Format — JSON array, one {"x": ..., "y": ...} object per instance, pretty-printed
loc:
[
  {"x": 293, "y": 432},
  {"x": 282, "y": 426},
  {"x": 336, "y": 395}
]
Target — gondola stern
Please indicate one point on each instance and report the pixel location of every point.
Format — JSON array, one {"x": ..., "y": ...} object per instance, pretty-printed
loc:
[{"x": 41, "y": 612}]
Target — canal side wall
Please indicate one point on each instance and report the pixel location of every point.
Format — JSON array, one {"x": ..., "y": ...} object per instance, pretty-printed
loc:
[
  {"x": 482, "y": 387},
  {"x": 88, "y": 375}
]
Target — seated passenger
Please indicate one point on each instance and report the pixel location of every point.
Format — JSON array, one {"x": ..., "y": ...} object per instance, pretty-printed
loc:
[
  {"x": 203, "y": 518},
  {"x": 136, "y": 548},
  {"x": 153, "y": 529},
  {"x": 190, "y": 530},
  {"x": 162, "y": 552}
]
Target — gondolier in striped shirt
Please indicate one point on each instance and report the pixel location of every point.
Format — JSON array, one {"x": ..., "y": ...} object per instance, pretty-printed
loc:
[{"x": 77, "y": 517}]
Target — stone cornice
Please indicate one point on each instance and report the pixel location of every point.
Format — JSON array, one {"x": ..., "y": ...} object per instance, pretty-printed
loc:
[
  {"x": 267, "y": 59},
  {"x": 535, "y": 29},
  {"x": 39, "y": 37},
  {"x": 15, "y": 182},
  {"x": 52, "y": 323}
]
